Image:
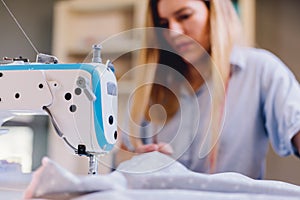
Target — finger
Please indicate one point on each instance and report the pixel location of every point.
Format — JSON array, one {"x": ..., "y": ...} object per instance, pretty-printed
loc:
[
  {"x": 165, "y": 148},
  {"x": 147, "y": 148}
]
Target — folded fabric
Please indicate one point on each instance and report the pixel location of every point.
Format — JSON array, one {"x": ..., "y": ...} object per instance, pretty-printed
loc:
[
  {"x": 152, "y": 174},
  {"x": 53, "y": 181}
]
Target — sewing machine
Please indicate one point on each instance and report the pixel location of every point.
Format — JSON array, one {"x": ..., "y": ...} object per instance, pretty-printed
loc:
[{"x": 80, "y": 99}]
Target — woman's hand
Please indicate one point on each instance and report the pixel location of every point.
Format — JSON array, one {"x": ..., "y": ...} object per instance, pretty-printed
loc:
[{"x": 160, "y": 147}]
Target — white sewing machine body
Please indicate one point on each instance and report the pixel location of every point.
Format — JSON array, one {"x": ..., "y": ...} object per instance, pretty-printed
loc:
[{"x": 82, "y": 99}]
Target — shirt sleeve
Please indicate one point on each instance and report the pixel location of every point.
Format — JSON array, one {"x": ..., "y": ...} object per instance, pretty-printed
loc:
[{"x": 281, "y": 104}]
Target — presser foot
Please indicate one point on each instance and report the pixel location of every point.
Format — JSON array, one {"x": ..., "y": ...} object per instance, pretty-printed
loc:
[{"x": 93, "y": 164}]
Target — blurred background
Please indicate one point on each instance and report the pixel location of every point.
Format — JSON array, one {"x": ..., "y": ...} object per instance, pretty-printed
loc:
[{"x": 67, "y": 29}]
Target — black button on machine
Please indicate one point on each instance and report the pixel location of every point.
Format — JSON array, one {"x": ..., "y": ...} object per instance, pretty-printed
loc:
[
  {"x": 111, "y": 120},
  {"x": 116, "y": 135}
]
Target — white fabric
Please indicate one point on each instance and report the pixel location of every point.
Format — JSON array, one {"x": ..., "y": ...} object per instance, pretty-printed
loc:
[{"x": 153, "y": 176}]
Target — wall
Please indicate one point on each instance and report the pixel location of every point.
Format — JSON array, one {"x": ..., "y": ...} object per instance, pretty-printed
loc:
[{"x": 278, "y": 30}]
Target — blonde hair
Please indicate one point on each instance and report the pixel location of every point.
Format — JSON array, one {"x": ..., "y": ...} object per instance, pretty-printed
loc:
[{"x": 225, "y": 32}]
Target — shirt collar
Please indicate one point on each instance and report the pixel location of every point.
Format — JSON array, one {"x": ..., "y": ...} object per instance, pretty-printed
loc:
[{"x": 237, "y": 59}]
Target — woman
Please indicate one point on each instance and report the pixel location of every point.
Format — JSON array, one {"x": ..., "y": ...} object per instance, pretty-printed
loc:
[{"x": 222, "y": 103}]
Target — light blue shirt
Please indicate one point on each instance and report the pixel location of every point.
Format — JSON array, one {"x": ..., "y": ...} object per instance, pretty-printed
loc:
[{"x": 262, "y": 105}]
